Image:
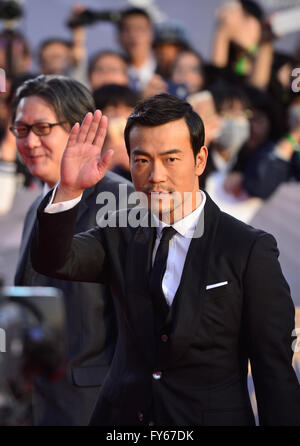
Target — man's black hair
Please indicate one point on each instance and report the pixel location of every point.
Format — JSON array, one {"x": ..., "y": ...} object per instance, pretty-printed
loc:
[
  {"x": 171, "y": 33},
  {"x": 68, "y": 98},
  {"x": 133, "y": 11},
  {"x": 162, "y": 109},
  {"x": 226, "y": 93},
  {"x": 253, "y": 8},
  {"x": 113, "y": 94}
]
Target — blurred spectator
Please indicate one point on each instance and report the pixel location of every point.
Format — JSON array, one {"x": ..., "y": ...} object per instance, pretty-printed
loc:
[
  {"x": 170, "y": 39},
  {"x": 107, "y": 67},
  {"x": 15, "y": 56},
  {"x": 15, "y": 59},
  {"x": 282, "y": 67},
  {"x": 169, "y": 44},
  {"x": 66, "y": 57},
  {"x": 136, "y": 37},
  {"x": 238, "y": 35},
  {"x": 231, "y": 103},
  {"x": 116, "y": 102},
  {"x": 244, "y": 54},
  {"x": 188, "y": 70},
  {"x": 232, "y": 106},
  {"x": 9, "y": 152},
  {"x": 236, "y": 41},
  {"x": 279, "y": 87},
  {"x": 279, "y": 162},
  {"x": 13, "y": 172},
  {"x": 55, "y": 56},
  {"x": 203, "y": 103},
  {"x": 263, "y": 118}
]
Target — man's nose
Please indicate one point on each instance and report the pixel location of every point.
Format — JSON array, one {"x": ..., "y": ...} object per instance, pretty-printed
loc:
[
  {"x": 157, "y": 174},
  {"x": 32, "y": 140}
]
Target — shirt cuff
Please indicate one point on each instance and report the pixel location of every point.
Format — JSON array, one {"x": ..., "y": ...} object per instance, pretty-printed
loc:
[{"x": 62, "y": 206}]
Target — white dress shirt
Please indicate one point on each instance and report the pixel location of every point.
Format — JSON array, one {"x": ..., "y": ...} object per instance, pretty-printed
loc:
[
  {"x": 62, "y": 206},
  {"x": 178, "y": 247}
]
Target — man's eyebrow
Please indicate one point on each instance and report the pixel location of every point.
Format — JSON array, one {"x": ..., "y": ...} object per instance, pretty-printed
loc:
[
  {"x": 139, "y": 152},
  {"x": 171, "y": 152},
  {"x": 168, "y": 152}
]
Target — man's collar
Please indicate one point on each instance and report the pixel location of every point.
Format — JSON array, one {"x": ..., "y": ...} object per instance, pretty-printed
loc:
[{"x": 187, "y": 225}]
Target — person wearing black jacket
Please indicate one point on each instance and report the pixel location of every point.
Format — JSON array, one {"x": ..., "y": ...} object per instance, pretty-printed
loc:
[
  {"x": 197, "y": 295},
  {"x": 45, "y": 109}
]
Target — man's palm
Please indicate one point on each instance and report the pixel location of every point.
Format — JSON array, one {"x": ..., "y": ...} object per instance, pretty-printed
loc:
[{"x": 82, "y": 164}]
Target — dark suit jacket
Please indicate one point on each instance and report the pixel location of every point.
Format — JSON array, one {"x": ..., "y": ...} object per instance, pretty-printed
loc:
[
  {"x": 90, "y": 324},
  {"x": 209, "y": 334}
]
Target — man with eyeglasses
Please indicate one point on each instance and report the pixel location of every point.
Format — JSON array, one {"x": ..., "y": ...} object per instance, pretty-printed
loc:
[
  {"x": 39, "y": 129},
  {"x": 44, "y": 111}
]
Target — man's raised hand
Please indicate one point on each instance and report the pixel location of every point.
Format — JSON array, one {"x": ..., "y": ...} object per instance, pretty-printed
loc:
[{"x": 82, "y": 163}]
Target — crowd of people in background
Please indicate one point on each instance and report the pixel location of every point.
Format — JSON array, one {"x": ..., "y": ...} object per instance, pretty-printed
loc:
[{"x": 243, "y": 94}]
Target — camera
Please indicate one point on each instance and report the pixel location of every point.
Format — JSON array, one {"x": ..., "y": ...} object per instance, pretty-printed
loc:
[
  {"x": 10, "y": 10},
  {"x": 89, "y": 17},
  {"x": 32, "y": 323}
]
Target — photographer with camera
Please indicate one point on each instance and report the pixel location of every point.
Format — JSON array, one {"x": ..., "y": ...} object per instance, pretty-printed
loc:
[{"x": 136, "y": 34}]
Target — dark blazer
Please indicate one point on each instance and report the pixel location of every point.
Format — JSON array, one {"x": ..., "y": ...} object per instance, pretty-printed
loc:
[
  {"x": 194, "y": 370},
  {"x": 90, "y": 324}
]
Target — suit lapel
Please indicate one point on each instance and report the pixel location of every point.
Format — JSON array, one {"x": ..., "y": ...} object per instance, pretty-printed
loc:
[
  {"x": 140, "y": 310},
  {"x": 185, "y": 313},
  {"x": 25, "y": 242}
]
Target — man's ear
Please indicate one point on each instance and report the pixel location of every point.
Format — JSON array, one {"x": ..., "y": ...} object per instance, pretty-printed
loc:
[{"x": 201, "y": 159}]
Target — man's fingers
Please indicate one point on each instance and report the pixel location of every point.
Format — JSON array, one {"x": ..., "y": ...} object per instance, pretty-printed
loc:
[
  {"x": 84, "y": 128},
  {"x": 102, "y": 129},
  {"x": 105, "y": 160},
  {"x": 92, "y": 132},
  {"x": 73, "y": 135}
]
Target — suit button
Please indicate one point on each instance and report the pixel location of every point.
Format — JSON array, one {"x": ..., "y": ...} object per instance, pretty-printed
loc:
[
  {"x": 140, "y": 416},
  {"x": 164, "y": 338},
  {"x": 157, "y": 375}
]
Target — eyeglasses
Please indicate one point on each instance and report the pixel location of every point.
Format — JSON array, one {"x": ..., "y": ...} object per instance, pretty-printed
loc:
[{"x": 39, "y": 129}]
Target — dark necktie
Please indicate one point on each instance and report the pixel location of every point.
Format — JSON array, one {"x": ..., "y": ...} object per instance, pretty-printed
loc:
[{"x": 161, "y": 307}]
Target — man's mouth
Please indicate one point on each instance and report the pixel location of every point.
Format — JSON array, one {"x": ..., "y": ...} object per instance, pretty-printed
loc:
[
  {"x": 36, "y": 156},
  {"x": 157, "y": 191}
]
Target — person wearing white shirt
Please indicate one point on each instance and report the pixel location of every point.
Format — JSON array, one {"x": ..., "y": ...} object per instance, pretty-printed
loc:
[
  {"x": 136, "y": 37},
  {"x": 195, "y": 301}
]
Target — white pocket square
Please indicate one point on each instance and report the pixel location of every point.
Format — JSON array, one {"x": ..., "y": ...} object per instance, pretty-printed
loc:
[{"x": 215, "y": 285}]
